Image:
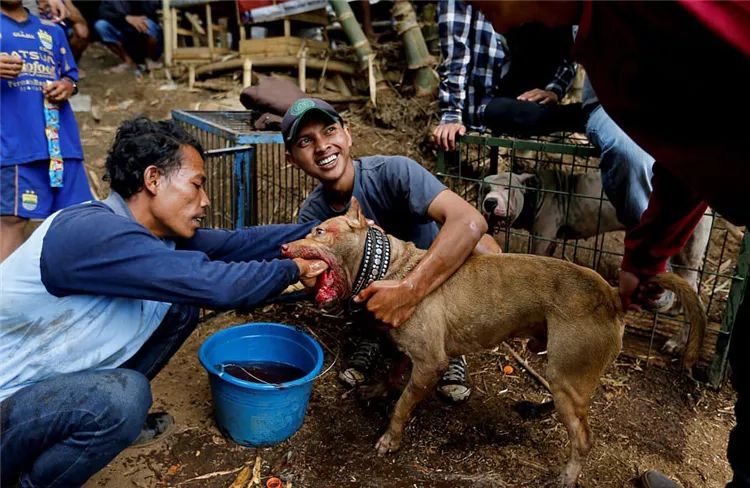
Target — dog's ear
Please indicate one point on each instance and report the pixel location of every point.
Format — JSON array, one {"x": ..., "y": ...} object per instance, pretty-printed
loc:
[
  {"x": 354, "y": 216},
  {"x": 525, "y": 176}
]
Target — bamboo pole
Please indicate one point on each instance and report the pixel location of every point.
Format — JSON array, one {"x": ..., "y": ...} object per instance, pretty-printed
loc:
[
  {"x": 302, "y": 70},
  {"x": 359, "y": 41},
  {"x": 167, "y": 32},
  {"x": 417, "y": 56},
  {"x": 247, "y": 72},
  {"x": 353, "y": 31},
  {"x": 210, "y": 28}
]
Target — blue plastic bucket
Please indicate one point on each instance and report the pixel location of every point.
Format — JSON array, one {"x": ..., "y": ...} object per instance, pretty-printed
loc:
[{"x": 258, "y": 414}]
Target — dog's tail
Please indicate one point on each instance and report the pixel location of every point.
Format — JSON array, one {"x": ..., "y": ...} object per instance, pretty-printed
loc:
[{"x": 693, "y": 309}]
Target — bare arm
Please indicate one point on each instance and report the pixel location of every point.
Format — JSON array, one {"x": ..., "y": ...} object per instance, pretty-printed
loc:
[{"x": 392, "y": 301}]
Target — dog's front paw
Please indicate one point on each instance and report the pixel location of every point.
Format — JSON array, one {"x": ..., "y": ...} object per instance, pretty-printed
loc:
[{"x": 388, "y": 442}]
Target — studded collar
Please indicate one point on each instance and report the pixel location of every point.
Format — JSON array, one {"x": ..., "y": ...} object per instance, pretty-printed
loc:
[{"x": 375, "y": 260}]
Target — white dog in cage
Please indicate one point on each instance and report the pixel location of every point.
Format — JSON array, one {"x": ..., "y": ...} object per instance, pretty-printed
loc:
[{"x": 553, "y": 204}]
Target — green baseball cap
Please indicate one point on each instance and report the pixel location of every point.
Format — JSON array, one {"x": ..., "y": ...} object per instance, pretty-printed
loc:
[{"x": 302, "y": 108}]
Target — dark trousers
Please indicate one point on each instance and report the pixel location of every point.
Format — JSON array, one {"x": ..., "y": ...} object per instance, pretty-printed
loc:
[
  {"x": 60, "y": 432},
  {"x": 504, "y": 115},
  {"x": 738, "y": 451}
]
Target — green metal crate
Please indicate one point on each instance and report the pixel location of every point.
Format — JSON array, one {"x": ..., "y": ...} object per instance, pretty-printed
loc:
[{"x": 721, "y": 278}]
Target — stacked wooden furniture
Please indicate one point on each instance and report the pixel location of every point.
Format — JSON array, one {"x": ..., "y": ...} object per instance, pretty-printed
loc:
[{"x": 210, "y": 36}]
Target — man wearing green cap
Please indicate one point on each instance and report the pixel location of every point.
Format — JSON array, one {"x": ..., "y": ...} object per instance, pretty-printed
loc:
[{"x": 405, "y": 200}]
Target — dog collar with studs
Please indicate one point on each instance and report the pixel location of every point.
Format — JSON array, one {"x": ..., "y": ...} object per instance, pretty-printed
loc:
[{"x": 375, "y": 260}]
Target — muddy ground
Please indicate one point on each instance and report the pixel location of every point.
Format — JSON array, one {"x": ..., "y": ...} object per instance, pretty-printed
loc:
[{"x": 642, "y": 417}]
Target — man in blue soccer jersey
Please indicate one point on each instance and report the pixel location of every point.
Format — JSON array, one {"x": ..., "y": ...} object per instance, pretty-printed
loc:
[{"x": 36, "y": 64}]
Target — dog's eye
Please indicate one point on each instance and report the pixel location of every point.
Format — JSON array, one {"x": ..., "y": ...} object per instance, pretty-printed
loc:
[{"x": 319, "y": 231}]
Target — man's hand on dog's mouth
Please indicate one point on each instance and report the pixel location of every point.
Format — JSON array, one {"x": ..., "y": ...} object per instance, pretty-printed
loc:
[
  {"x": 309, "y": 270},
  {"x": 390, "y": 301}
]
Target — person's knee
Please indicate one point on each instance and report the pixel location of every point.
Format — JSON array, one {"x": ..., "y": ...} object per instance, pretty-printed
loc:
[
  {"x": 154, "y": 29},
  {"x": 128, "y": 398},
  {"x": 107, "y": 32},
  {"x": 101, "y": 26}
]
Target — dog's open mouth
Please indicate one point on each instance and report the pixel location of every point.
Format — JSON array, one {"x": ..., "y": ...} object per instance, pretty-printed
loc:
[{"x": 331, "y": 285}]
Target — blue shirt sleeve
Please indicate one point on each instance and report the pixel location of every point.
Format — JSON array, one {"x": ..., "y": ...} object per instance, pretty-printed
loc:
[
  {"x": 254, "y": 243},
  {"x": 90, "y": 250},
  {"x": 66, "y": 63}
]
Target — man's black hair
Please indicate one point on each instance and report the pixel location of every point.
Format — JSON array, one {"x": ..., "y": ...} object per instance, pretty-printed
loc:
[{"x": 140, "y": 143}]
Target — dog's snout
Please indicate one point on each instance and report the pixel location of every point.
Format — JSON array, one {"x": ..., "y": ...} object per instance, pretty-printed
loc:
[{"x": 490, "y": 204}]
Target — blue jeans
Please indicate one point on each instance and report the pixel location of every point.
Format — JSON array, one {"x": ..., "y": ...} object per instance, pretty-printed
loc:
[
  {"x": 130, "y": 39},
  {"x": 626, "y": 168},
  {"x": 60, "y": 432}
]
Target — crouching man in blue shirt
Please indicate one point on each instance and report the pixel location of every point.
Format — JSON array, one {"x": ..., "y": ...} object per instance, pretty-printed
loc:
[{"x": 102, "y": 295}]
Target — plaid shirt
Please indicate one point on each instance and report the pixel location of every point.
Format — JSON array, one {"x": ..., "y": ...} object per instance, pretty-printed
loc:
[{"x": 463, "y": 95}]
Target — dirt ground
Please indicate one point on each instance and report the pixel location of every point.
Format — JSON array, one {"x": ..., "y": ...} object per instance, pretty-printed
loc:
[{"x": 642, "y": 417}]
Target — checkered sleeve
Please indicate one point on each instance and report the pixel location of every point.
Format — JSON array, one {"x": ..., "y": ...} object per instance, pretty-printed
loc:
[
  {"x": 563, "y": 78},
  {"x": 454, "y": 25}
]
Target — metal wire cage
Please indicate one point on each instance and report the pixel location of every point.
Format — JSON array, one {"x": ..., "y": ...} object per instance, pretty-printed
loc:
[
  {"x": 719, "y": 278},
  {"x": 249, "y": 181}
]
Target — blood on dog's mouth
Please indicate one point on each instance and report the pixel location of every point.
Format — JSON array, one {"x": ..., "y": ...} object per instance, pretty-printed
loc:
[{"x": 331, "y": 285}]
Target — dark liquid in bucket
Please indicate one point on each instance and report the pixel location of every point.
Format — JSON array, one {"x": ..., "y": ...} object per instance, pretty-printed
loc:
[{"x": 263, "y": 371}]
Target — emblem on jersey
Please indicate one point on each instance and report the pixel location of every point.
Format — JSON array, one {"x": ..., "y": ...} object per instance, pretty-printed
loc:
[
  {"x": 45, "y": 38},
  {"x": 29, "y": 200}
]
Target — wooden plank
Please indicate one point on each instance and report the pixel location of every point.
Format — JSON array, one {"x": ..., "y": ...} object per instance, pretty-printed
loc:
[
  {"x": 287, "y": 61},
  {"x": 277, "y": 46},
  {"x": 318, "y": 17},
  {"x": 198, "y": 53},
  {"x": 195, "y": 23}
]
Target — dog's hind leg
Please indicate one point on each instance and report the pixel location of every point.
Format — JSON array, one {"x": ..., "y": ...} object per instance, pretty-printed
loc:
[
  {"x": 574, "y": 414},
  {"x": 575, "y": 365},
  {"x": 424, "y": 377}
]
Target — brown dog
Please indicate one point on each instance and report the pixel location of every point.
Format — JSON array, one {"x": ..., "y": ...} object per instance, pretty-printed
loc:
[{"x": 488, "y": 300}]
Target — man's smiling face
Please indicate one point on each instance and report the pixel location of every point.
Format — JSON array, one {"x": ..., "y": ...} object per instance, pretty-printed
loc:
[{"x": 322, "y": 148}]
